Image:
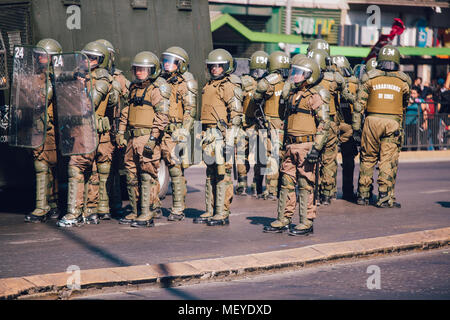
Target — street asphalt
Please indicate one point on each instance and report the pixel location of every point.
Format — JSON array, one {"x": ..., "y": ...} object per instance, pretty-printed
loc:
[{"x": 423, "y": 189}]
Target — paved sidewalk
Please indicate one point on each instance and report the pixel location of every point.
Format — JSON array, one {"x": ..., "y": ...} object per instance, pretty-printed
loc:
[{"x": 172, "y": 274}]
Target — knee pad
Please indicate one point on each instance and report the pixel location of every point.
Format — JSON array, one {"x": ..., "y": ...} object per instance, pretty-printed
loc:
[
  {"x": 175, "y": 171},
  {"x": 40, "y": 166}
]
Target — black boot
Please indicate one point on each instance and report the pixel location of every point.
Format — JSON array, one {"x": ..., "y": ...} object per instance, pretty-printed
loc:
[
  {"x": 325, "y": 200},
  {"x": 362, "y": 201},
  {"x": 301, "y": 232},
  {"x": 270, "y": 229}
]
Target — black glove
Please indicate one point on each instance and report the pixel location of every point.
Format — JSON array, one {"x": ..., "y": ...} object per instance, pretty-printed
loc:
[
  {"x": 357, "y": 136},
  {"x": 313, "y": 156}
]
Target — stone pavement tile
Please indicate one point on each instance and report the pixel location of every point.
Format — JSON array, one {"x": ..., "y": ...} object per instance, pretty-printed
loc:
[
  {"x": 100, "y": 276},
  {"x": 209, "y": 265},
  {"x": 136, "y": 273},
  {"x": 339, "y": 249},
  {"x": 13, "y": 286},
  {"x": 49, "y": 280},
  {"x": 274, "y": 258},
  {"x": 240, "y": 262}
]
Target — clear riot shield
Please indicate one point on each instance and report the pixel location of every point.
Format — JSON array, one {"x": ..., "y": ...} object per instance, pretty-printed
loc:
[
  {"x": 28, "y": 104},
  {"x": 74, "y": 107}
]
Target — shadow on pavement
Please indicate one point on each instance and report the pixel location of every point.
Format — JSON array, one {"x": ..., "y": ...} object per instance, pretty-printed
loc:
[
  {"x": 263, "y": 221},
  {"x": 444, "y": 204},
  {"x": 101, "y": 252}
]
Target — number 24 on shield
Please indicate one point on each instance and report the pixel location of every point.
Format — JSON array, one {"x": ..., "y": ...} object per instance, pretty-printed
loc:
[
  {"x": 58, "y": 61},
  {"x": 19, "y": 53}
]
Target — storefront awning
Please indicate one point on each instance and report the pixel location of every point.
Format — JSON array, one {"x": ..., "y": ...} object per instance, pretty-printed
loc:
[{"x": 252, "y": 36}]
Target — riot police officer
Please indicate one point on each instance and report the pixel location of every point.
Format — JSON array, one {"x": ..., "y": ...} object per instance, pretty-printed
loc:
[
  {"x": 383, "y": 95},
  {"x": 145, "y": 121},
  {"x": 84, "y": 167},
  {"x": 113, "y": 113},
  {"x": 307, "y": 132},
  {"x": 269, "y": 89},
  {"x": 221, "y": 118},
  {"x": 182, "y": 112},
  {"x": 258, "y": 70},
  {"x": 335, "y": 84},
  {"x": 45, "y": 157}
]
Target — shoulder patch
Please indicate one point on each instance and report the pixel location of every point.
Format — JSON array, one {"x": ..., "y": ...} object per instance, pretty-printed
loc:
[
  {"x": 235, "y": 79},
  {"x": 273, "y": 78}
]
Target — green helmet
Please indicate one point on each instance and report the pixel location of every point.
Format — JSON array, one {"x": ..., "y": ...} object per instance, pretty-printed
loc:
[
  {"x": 319, "y": 44},
  {"x": 177, "y": 56},
  {"x": 279, "y": 61},
  {"x": 371, "y": 64},
  {"x": 342, "y": 65},
  {"x": 297, "y": 57},
  {"x": 321, "y": 57},
  {"x": 304, "y": 69},
  {"x": 110, "y": 48},
  {"x": 258, "y": 64},
  {"x": 149, "y": 60},
  {"x": 97, "y": 51},
  {"x": 388, "y": 58},
  {"x": 220, "y": 57},
  {"x": 51, "y": 46}
]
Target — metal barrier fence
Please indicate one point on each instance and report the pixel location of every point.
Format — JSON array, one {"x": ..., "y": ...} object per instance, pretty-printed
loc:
[{"x": 429, "y": 132}]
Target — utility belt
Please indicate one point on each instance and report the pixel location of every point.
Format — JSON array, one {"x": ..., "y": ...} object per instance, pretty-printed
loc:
[
  {"x": 173, "y": 126},
  {"x": 139, "y": 132},
  {"x": 303, "y": 139}
]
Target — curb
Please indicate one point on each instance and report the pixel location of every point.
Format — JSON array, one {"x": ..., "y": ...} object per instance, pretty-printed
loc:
[{"x": 209, "y": 269}]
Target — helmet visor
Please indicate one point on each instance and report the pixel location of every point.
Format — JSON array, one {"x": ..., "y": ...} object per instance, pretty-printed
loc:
[
  {"x": 298, "y": 74},
  {"x": 95, "y": 58},
  {"x": 142, "y": 73},
  {"x": 170, "y": 62},
  {"x": 387, "y": 65},
  {"x": 258, "y": 73},
  {"x": 218, "y": 69},
  {"x": 41, "y": 55}
]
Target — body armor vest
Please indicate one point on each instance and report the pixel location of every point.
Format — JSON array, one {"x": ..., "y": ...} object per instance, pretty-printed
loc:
[
  {"x": 141, "y": 111},
  {"x": 214, "y": 108},
  {"x": 301, "y": 120},
  {"x": 272, "y": 105},
  {"x": 385, "y": 95}
]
